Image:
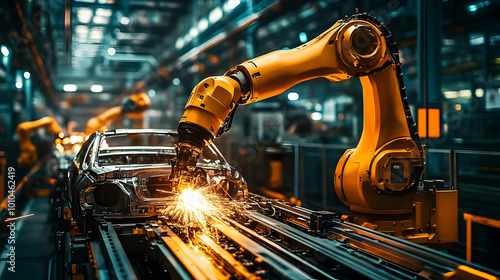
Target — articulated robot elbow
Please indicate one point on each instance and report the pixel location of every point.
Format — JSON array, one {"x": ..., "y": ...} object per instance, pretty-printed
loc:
[{"x": 208, "y": 108}]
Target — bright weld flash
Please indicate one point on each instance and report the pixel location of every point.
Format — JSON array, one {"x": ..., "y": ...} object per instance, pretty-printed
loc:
[
  {"x": 192, "y": 207},
  {"x": 192, "y": 199},
  {"x": 196, "y": 208}
]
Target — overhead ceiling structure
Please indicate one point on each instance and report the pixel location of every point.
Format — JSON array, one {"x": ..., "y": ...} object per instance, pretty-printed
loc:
[{"x": 107, "y": 45}]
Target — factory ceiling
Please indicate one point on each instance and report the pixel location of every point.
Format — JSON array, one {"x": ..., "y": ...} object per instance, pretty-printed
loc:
[
  {"x": 111, "y": 43},
  {"x": 75, "y": 48}
]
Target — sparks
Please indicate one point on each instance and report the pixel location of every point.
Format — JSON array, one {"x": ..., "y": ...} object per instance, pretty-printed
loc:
[{"x": 195, "y": 208}]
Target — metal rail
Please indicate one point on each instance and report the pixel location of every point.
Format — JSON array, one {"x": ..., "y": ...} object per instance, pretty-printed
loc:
[
  {"x": 253, "y": 245},
  {"x": 298, "y": 262},
  {"x": 196, "y": 266},
  {"x": 277, "y": 263},
  {"x": 339, "y": 252},
  {"x": 226, "y": 260},
  {"x": 430, "y": 262},
  {"x": 116, "y": 254},
  {"x": 412, "y": 259}
]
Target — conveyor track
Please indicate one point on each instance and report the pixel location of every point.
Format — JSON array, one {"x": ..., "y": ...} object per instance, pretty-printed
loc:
[{"x": 271, "y": 240}]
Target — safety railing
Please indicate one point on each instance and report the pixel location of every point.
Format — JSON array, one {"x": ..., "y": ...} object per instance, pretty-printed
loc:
[
  {"x": 469, "y": 219},
  {"x": 463, "y": 162}
]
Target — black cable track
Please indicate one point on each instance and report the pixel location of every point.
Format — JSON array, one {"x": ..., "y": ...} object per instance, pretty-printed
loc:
[{"x": 393, "y": 52}]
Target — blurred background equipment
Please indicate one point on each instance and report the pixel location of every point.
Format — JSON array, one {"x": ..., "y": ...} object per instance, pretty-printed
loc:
[
  {"x": 28, "y": 152},
  {"x": 135, "y": 104}
]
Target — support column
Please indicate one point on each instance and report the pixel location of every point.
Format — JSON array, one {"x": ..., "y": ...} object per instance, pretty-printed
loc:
[{"x": 429, "y": 55}]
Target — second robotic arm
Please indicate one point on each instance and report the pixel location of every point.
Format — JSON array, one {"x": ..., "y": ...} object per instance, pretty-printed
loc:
[
  {"x": 136, "y": 103},
  {"x": 28, "y": 155}
]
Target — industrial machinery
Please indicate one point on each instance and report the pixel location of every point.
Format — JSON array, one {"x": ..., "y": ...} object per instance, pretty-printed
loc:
[
  {"x": 28, "y": 154},
  {"x": 147, "y": 216},
  {"x": 379, "y": 179},
  {"x": 136, "y": 103}
]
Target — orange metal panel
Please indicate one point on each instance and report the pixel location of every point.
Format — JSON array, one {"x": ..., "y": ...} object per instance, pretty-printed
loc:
[
  {"x": 434, "y": 123},
  {"x": 447, "y": 216}
]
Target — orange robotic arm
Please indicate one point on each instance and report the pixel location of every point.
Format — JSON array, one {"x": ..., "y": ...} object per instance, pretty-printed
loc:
[
  {"x": 380, "y": 175},
  {"x": 28, "y": 155},
  {"x": 136, "y": 104}
]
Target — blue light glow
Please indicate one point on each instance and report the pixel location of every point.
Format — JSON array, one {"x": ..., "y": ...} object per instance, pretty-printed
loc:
[{"x": 303, "y": 37}]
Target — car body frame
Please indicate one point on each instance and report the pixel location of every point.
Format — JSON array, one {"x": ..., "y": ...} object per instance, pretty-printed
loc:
[{"x": 133, "y": 180}]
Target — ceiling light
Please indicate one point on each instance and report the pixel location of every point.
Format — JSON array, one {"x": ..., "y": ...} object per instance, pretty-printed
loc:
[
  {"x": 203, "y": 24},
  {"x": 479, "y": 92},
  {"x": 19, "y": 85},
  {"x": 125, "y": 20},
  {"x": 152, "y": 93},
  {"x": 179, "y": 43},
  {"x": 450, "y": 94},
  {"x": 316, "y": 116},
  {"x": 472, "y": 8},
  {"x": 96, "y": 34},
  {"x": 27, "y": 75},
  {"x": 292, "y": 96},
  {"x": 111, "y": 51},
  {"x": 103, "y": 12},
  {"x": 318, "y": 107},
  {"x": 84, "y": 15},
  {"x": 465, "y": 93},
  {"x": 193, "y": 32},
  {"x": 82, "y": 30},
  {"x": 96, "y": 88},
  {"x": 70, "y": 88},
  {"x": 100, "y": 20},
  {"x": 176, "y": 81},
  {"x": 233, "y": 3},
  {"x": 215, "y": 15},
  {"x": 5, "y": 51}
]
